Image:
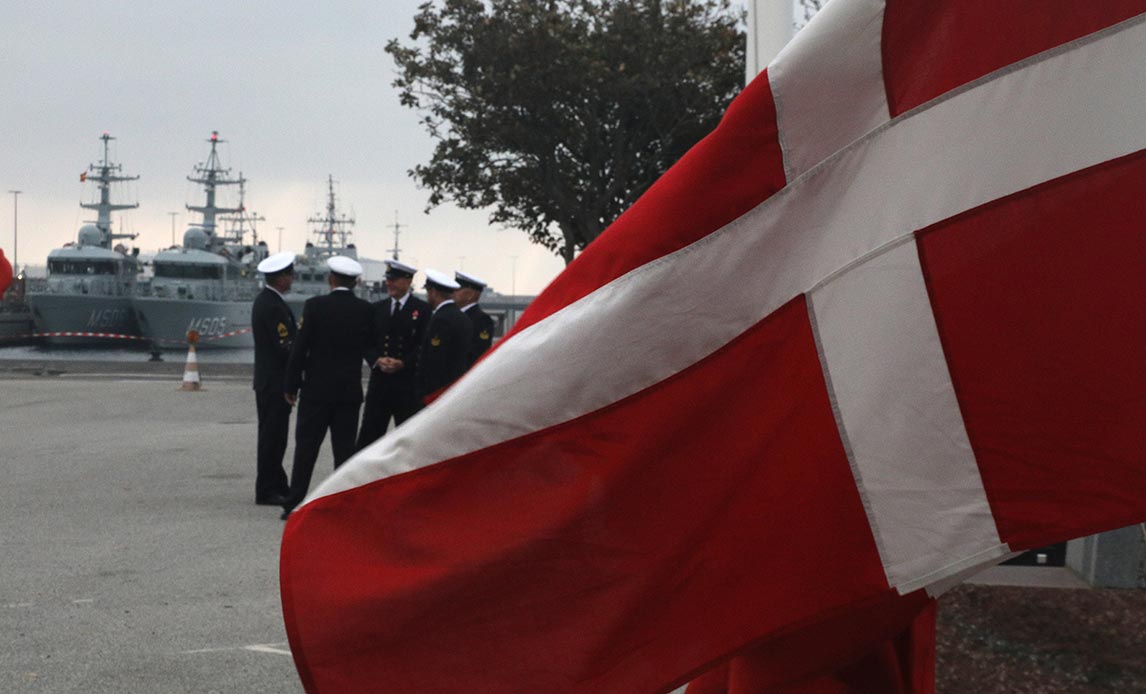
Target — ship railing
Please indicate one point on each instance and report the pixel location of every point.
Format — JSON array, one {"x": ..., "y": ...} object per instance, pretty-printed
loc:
[
  {"x": 199, "y": 292},
  {"x": 82, "y": 286}
]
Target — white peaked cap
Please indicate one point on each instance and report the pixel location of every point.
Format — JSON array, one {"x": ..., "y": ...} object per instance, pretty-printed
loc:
[
  {"x": 441, "y": 279},
  {"x": 344, "y": 266},
  {"x": 398, "y": 265},
  {"x": 465, "y": 278},
  {"x": 277, "y": 262}
]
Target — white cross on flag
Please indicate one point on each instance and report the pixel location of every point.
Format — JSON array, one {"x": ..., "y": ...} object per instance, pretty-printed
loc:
[{"x": 882, "y": 327}]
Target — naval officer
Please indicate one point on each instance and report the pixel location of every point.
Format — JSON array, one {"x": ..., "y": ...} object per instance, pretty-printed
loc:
[
  {"x": 399, "y": 321},
  {"x": 442, "y": 357},
  {"x": 466, "y": 297},
  {"x": 326, "y": 363},
  {"x": 273, "y": 327}
]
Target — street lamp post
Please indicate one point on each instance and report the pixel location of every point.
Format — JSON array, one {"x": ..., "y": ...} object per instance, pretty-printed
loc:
[
  {"x": 513, "y": 275},
  {"x": 15, "y": 234}
]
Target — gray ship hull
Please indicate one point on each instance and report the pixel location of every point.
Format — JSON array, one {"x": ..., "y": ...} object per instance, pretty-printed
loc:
[
  {"x": 79, "y": 313},
  {"x": 220, "y": 324},
  {"x": 295, "y": 302},
  {"x": 15, "y": 327}
]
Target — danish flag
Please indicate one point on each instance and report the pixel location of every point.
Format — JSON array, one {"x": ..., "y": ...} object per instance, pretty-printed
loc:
[{"x": 881, "y": 328}]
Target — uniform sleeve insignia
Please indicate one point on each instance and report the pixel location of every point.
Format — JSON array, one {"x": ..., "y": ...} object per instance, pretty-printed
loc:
[
  {"x": 283, "y": 332},
  {"x": 484, "y": 334},
  {"x": 435, "y": 342}
]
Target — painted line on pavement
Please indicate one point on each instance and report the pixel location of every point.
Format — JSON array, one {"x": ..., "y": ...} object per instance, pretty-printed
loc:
[{"x": 274, "y": 648}]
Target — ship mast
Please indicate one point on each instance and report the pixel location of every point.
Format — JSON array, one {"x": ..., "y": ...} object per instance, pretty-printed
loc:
[
  {"x": 397, "y": 231},
  {"x": 105, "y": 174},
  {"x": 211, "y": 175},
  {"x": 237, "y": 227},
  {"x": 332, "y": 224}
]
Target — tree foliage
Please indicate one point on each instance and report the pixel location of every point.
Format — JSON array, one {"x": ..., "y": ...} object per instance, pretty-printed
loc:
[
  {"x": 808, "y": 9},
  {"x": 557, "y": 114}
]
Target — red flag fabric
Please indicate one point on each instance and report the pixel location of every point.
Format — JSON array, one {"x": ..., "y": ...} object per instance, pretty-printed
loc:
[
  {"x": 877, "y": 648},
  {"x": 5, "y": 274},
  {"x": 877, "y": 331}
]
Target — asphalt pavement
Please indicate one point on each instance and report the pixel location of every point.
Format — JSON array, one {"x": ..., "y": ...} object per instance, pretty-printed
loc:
[{"x": 134, "y": 557}]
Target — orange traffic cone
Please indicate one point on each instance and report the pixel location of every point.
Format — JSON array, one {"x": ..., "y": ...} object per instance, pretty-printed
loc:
[{"x": 191, "y": 371}]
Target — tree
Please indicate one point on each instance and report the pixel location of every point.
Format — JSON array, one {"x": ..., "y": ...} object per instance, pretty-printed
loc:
[
  {"x": 558, "y": 114},
  {"x": 808, "y": 9}
]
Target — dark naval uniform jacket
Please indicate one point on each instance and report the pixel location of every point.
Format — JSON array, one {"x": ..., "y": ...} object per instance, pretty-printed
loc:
[
  {"x": 444, "y": 355},
  {"x": 326, "y": 361},
  {"x": 482, "y": 332},
  {"x": 398, "y": 336},
  {"x": 274, "y": 330}
]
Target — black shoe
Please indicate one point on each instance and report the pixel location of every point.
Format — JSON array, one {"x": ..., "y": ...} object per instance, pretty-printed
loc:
[
  {"x": 285, "y": 515},
  {"x": 273, "y": 500}
]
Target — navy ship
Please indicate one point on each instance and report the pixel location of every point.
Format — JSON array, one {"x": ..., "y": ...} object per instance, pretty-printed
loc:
[
  {"x": 87, "y": 294},
  {"x": 208, "y": 283}
]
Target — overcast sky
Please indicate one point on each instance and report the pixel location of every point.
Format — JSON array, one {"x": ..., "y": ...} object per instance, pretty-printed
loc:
[{"x": 298, "y": 89}]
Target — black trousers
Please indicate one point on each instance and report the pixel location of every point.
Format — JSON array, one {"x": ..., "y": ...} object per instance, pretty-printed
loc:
[
  {"x": 386, "y": 397},
  {"x": 274, "y": 425},
  {"x": 314, "y": 418}
]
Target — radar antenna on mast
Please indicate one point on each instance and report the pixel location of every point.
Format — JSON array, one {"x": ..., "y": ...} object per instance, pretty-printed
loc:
[
  {"x": 104, "y": 174},
  {"x": 333, "y": 225},
  {"x": 211, "y": 175}
]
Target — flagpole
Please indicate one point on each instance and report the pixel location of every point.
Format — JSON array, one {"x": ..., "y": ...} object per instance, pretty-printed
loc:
[
  {"x": 15, "y": 233},
  {"x": 770, "y": 27}
]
